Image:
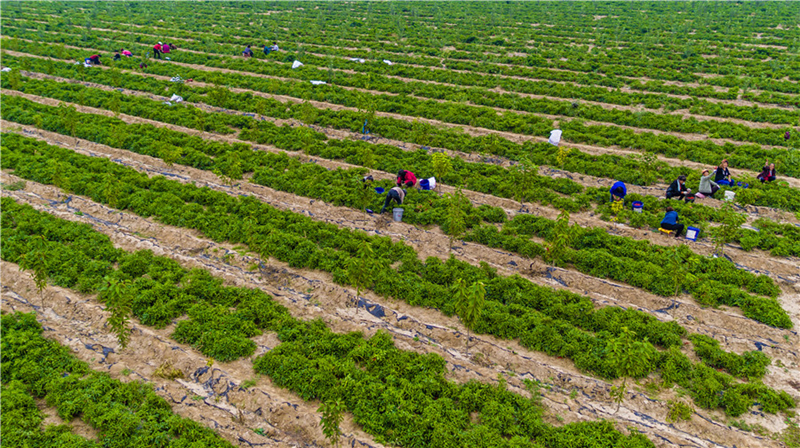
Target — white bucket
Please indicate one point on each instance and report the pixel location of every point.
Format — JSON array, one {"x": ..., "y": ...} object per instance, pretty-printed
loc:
[
  {"x": 397, "y": 214},
  {"x": 729, "y": 195}
]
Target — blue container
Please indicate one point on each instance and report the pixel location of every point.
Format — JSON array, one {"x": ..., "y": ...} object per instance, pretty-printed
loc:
[
  {"x": 691, "y": 233},
  {"x": 379, "y": 190},
  {"x": 638, "y": 206},
  {"x": 425, "y": 184}
]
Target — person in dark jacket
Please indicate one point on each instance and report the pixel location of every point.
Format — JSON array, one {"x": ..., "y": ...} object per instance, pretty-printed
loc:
[
  {"x": 678, "y": 188},
  {"x": 768, "y": 174},
  {"x": 722, "y": 176},
  {"x": 670, "y": 222},
  {"x": 407, "y": 178},
  {"x": 618, "y": 191},
  {"x": 117, "y": 56},
  {"x": 396, "y": 194}
]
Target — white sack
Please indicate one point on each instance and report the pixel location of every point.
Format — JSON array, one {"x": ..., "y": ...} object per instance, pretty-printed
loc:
[
  {"x": 555, "y": 137},
  {"x": 296, "y": 64}
]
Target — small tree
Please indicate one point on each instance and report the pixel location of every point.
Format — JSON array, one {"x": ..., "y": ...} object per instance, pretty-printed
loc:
[
  {"x": 332, "y": 416},
  {"x": 469, "y": 304},
  {"x": 563, "y": 155},
  {"x": 442, "y": 165},
  {"x": 360, "y": 267},
  {"x": 363, "y": 193},
  {"x": 112, "y": 188},
  {"x": 455, "y": 217},
  {"x": 628, "y": 358},
  {"x": 69, "y": 118},
  {"x": 35, "y": 261},
  {"x": 560, "y": 239},
  {"x": 524, "y": 173},
  {"x": 115, "y": 104},
  {"x": 118, "y": 302},
  {"x": 731, "y": 223}
]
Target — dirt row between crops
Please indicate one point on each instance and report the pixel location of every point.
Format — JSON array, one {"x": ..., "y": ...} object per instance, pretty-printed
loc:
[
  {"x": 433, "y": 243},
  {"x": 555, "y": 118},
  {"x": 509, "y": 205},
  {"x": 434, "y": 333},
  {"x": 737, "y": 102},
  {"x": 655, "y": 190},
  {"x": 339, "y": 134},
  {"x": 473, "y": 131},
  {"x": 685, "y": 114}
]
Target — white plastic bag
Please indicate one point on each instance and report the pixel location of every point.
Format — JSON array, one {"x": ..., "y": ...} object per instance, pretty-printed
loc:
[
  {"x": 318, "y": 83},
  {"x": 359, "y": 60},
  {"x": 176, "y": 98},
  {"x": 555, "y": 137},
  {"x": 432, "y": 182},
  {"x": 388, "y": 62},
  {"x": 296, "y": 64},
  {"x": 5, "y": 69}
]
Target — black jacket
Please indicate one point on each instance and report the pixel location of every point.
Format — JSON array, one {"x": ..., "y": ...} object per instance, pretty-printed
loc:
[
  {"x": 675, "y": 188},
  {"x": 721, "y": 173}
]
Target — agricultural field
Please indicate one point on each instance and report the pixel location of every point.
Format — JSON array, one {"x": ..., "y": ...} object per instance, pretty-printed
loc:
[{"x": 191, "y": 255}]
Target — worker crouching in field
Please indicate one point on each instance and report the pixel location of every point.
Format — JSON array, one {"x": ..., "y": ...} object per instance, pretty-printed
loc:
[
  {"x": 618, "y": 191},
  {"x": 396, "y": 194},
  {"x": 407, "y": 178},
  {"x": 670, "y": 222},
  {"x": 707, "y": 186},
  {"x": 677, "y": 189},
  {"x": 768, "y": 173}
]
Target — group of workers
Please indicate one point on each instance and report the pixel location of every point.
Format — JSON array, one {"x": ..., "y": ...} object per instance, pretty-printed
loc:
[
  {"x": 708, "y": 187},
  {"x": 158, "y": 49},
  {"x": 248, "y": 52},
  {"x": 405, "y": 178}
]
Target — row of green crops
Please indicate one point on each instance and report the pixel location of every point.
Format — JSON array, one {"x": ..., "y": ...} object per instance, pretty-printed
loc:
[
  {"x": 558, "y": 323},
  {"x": 124, "y": 414}
]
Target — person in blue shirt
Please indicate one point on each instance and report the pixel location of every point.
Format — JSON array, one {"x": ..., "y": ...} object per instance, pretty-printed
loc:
[
  {"x": 618, "y": 191},
  {"x": 670, "y": 222}
]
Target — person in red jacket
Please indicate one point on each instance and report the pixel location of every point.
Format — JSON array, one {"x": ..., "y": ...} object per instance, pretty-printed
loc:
[
  {"x": 407, "y": 178},
  {"x": 157, "y": 50}
]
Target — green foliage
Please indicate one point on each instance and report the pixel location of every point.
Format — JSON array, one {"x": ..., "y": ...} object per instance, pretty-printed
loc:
[
  {"x": 679, "y": 411},
  {"x": 441, "y": 165},
  {"x": 124, "y": 414},
  {"x": 630, "y": 358},
  {"x": 455, "y": 215},
  {"x": 729, "y": 228},
  {"x": 118, "y": 300},
  {"x": 469, "y": 304},
  {"x": 332, "y": 415}
]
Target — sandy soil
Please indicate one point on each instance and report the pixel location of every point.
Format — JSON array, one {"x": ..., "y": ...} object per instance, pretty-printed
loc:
[
  {"x": 635, "y": 79},
  {"x": 473, "y": 131},
  {"x": 435, "y": 333}
]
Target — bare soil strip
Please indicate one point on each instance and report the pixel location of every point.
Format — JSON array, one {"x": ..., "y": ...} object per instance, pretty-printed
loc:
[
  {"x": 434, "y": 333},
  {"x": 737, "y": 102},
  {"x": 682, "y": 135},
  {"x": 473, "y": 131},
  {"x": 432, "y": 242}
]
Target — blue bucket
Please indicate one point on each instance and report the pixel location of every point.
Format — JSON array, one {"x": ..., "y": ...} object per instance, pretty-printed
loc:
[
  {"x": 379, "y": 190},
  {"x": 637, "y": 206},
  {"x": 425, "y": 184},
  {"x": 692, "y": 233}
]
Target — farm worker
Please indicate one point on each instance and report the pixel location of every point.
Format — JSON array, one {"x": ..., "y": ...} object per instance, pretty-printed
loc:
[
  {"x": 707, "y": 186},
  {"x": 117, "y": 57},
  {"x": 768, "y": 173},
  {"x": 618, "y": 191},
  {"x": 396, "y": 194},
  {"x": 165, "y": 48},
  {"x": 142, "y": 65},
  {"x": 367, "y": 180},
  {"x": 722, "y": 176},
  {"x": 787, "y": 136},
  {"x": 406, "y": 177},
  {"x": 678, "y": 188},
  {"x": 670, "y": 222},
  {"x": 274, "y": 47},
  {"x": 157, "y": 50},
  {"x": 248, "y": 53},
  {"x": 127, "y": 53},
  {"x": 95, "y": 59}
]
